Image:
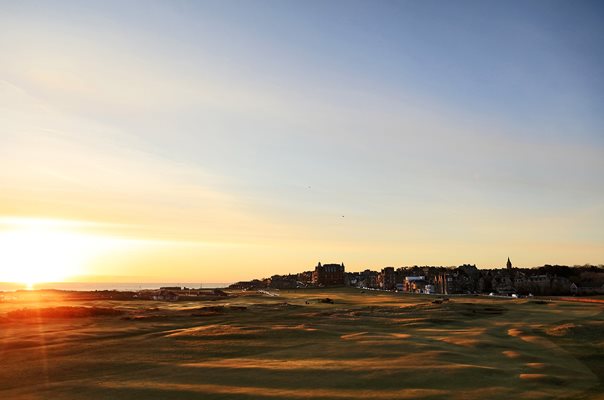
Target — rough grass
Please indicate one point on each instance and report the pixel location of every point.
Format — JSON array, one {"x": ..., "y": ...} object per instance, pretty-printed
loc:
[
  {"x": 371, "y": 345},
  {"x": 61, "y": 312}
]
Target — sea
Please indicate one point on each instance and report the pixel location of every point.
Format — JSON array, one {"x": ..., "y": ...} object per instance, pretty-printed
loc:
[{"x": 121, "y": 286}]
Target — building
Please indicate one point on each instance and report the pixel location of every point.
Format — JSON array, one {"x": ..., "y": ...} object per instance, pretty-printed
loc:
[
  {"x": 509, "y": 264},
  {"x": 305, "y": 278},
  {"x": 165, "y": 295},
  {"x": 387, "y": 279},
  {"x": 415, "y": 284},
  {"x": 589, "y": 288},
  {"x": 284, "y": 281},
  {"x": 368, "y": 279},
  {"x": 328, "y": 274},
  {"x": 443, "y": 283}
]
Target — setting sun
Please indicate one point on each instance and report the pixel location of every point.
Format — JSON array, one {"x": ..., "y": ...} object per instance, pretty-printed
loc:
[{"x": 37, "y": 250}]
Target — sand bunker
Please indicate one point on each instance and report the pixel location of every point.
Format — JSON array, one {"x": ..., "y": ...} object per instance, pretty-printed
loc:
[
  {"x": 373, "y": 336},
  {"x": 561, "y": 330},
  {"x": 460, "y": 341},
  {"x": 511, "y": 354},
  {"x": 412, "y": 362},
  {"x": 307, "y": 393},
  {"x": 533, "y": 376},
  {"x": 214, "y": 331},
  {"x": 300, "y": 327}
]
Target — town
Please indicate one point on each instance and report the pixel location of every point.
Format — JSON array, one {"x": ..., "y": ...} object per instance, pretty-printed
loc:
[{"x": 464, "y": 279}]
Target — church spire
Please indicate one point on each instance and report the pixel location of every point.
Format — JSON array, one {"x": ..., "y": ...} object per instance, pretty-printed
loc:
[{"x": 509, "y": 263}]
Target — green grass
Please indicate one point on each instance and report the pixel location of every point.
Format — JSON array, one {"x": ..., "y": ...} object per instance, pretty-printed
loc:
[{"x": 367, "y": 345}]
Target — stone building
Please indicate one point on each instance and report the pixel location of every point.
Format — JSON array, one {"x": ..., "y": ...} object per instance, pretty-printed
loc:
[{"x": 328, "y": 275}]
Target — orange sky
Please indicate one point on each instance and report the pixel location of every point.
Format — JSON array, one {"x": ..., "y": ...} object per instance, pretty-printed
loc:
[{"x": 230, "y": 145}]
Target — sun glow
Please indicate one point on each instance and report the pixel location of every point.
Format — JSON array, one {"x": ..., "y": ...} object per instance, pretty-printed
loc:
[{"x": 35, "y": 250}]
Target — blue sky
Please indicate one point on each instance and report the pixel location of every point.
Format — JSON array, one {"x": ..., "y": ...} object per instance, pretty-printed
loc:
[{"x": 444, "y": 132}]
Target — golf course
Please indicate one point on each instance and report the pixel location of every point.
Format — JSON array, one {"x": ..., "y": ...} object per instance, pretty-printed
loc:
[{"x": 301, "y": 344}]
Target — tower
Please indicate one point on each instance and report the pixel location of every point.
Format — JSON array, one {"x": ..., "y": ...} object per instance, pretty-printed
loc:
[{"x": 509, "y": 264}]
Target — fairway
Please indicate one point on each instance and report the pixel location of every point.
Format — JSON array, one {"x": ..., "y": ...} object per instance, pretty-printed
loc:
[{"x": 366, "y": 345}]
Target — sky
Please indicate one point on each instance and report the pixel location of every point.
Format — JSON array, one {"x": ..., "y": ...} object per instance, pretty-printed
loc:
[{"x": 223, "y": 140}]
